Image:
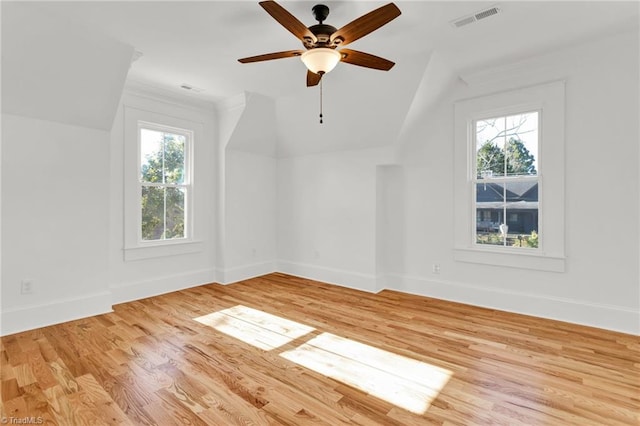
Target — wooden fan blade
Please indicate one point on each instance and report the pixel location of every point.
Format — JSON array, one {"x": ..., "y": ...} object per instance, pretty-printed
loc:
[
  {"x": 313, "y": 79},
  {"x": 270, "y": 56},
  {"x": 366, "y": 60},
  {"x": 287, "y": 20},
  {"x": 366, "y": 24}
]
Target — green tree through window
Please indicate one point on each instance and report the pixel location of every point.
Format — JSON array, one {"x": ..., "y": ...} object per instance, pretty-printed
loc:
[
  {"x": 163, "y": 185},
  {"x": 491, "y": 158}
]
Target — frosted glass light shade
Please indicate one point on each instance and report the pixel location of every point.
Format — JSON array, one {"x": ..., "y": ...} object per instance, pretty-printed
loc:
[{"x": 321, "y": 59}]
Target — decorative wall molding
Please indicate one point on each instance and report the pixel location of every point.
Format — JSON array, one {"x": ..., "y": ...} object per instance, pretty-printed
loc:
[
  {"x": 176, "y": 99},
  {"x": 164, "y": 250}
]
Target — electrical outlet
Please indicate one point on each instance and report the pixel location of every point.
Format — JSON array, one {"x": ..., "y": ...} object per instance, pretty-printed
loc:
[
  {"x": 435, "y": 268},
  {"x": 26, "y": 287}
]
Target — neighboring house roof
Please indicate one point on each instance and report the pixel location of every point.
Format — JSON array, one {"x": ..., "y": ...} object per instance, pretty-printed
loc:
[{"x": 519, "y": 195}]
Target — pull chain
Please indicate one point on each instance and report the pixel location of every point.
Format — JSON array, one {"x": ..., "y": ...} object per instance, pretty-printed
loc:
[{"x": 321, "y": 100}]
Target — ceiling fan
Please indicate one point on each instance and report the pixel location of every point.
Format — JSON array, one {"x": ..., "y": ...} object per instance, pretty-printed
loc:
[{"x": 324, "y": 42}]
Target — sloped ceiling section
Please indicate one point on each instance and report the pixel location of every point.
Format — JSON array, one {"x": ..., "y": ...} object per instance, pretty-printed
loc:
[
  {"x": 59, "y": 71},
  {"x": 255, "y": 131},
  {"x": 437, "y": 79},
  {"x": 362, "y": 108}
]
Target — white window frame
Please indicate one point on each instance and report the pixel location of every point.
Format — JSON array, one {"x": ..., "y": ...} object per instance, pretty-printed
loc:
[
  {"x": 548, "y": 100},
  {"x": 473, "y": 145},
  {"x": 186, "y": 185},
  {"x": 135, "y": 248}
]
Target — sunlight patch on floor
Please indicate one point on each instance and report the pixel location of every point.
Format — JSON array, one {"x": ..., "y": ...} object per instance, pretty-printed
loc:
[
  {"x": 257, "y": 328},
  {"x": 404, "y": 382}
]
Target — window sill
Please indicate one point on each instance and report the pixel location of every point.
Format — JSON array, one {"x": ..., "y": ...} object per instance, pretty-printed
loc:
[
  {"x": 537, "y": 261},
  {"x": 171, "y": 248}
]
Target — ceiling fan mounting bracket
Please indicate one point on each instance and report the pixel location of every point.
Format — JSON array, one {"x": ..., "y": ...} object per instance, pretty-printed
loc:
[{"x": 320, "y": 12}]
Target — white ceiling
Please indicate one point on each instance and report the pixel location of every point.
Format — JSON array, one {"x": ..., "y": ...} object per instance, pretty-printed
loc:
[{"x": 199, "y": 42}]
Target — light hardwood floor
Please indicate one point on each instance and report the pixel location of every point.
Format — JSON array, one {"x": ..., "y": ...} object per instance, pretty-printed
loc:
[{"x": 284, "y": 350}]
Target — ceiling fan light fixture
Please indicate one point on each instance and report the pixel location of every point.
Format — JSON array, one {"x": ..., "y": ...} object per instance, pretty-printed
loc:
[{"x": 321, "y": 59}]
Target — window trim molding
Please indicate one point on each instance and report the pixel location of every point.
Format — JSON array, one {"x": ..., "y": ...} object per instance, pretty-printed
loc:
[
  {"x": 134, "y": 247},
  {"x": 548, "y": 99},
  {"x": 173, "y": 248}
]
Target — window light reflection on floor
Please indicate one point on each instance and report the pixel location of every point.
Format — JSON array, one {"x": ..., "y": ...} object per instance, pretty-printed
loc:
[
  {"x": 257, "y": 328},
  {"x": 402, "y": 381},
  {"x": 407, "y": 383}
]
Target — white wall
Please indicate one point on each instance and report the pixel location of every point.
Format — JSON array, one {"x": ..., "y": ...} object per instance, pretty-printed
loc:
[
  {"x": 247, "y": 182},
  {"x": 55, "y": 222},
  {"x": 600, "y": 285},
  {"x": 357, "y": 218},
  {"x": 59, "y": 99},
  {"x": 390, "y": 232},
  {"x": 327, "y": 216},
  {"x": 250, "y": 205},
  {"x": 350, "y": 218},
  {"x": 135, "y": 279}
]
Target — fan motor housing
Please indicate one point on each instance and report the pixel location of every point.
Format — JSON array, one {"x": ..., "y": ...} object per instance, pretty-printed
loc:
[{"x": 323, "y": 34}]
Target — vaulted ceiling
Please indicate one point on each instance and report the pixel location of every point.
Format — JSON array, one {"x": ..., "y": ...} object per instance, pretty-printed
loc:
[{"x": 198, "y": 43}]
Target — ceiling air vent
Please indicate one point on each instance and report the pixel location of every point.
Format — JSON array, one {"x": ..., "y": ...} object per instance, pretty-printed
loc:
[
  {"x": 464, "y": 21},
  {"x": 486, "y": 13},
  {"x": 191, "y": 88},
  {"x": 470, "y": 19}
]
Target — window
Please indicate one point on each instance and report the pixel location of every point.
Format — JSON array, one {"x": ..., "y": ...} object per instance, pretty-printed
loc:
[
  {"x": 505, "y": 180},
  {"x": 165, "y": 183},
  {"x": 163, "y": 212},
  {"x": 509, "y": 179}
]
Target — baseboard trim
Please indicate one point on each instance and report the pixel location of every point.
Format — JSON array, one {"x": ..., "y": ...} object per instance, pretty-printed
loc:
[
  {"x": 29, "y": 317},
  {"x": 127, "y": 292},
  {"x": 349, "y": 279},
  {"x": 245, "y": 272},
  {"x": 610, "y": 317}
]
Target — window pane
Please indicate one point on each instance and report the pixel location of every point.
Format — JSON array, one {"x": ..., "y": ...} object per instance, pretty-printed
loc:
[
  {"x": 151, "y": 166},
  {"x": 489, "y": 213},
  {"x": 163, "y": 213},
  {"x": 490, "y": 147},
  {"x": 175, "y": 213},
  {"x": 164, "y": 183},
  {"x": 507, "y": 146},
  {"x": 521, "y": 141},
  {"x": 523, "y": 226},
  {"x": 522, "y": 213},
  {"x": 152, "y": 213},
  {"x": 512, "y": 203},
  {"x": 174, "y": 158}
]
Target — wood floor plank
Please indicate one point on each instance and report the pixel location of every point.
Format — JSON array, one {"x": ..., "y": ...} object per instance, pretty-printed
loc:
[
  {"x": 151, "y": 362},
  {"x": 101, "y": 402}
]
